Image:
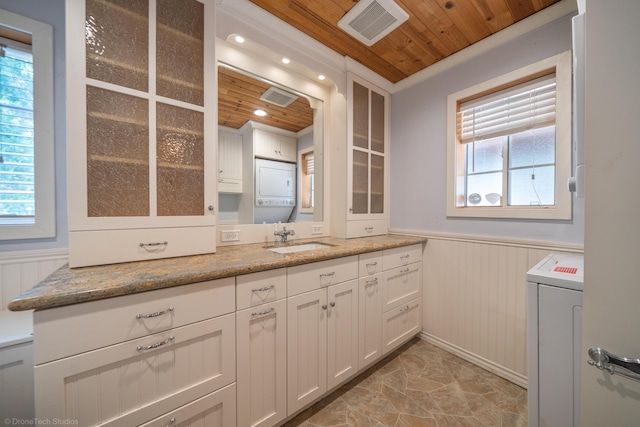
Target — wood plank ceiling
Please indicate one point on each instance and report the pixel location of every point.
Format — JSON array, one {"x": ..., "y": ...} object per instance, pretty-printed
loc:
[
  {"x": 435, "y": 29},
  {"x": 239, "y": 95}
]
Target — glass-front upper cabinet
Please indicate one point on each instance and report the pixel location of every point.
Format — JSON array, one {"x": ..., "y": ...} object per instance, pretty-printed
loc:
[
  {"x": 141, "y": 129},
  {"x": 368, "y": 155}
]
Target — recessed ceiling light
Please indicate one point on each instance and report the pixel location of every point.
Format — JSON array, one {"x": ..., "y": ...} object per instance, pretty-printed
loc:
[
  {"x": 321, "y": 77},
  {"x": 285, "y": 60},
  {"x": 239, "y": 39},
  {"x": 260, "y": 113}
]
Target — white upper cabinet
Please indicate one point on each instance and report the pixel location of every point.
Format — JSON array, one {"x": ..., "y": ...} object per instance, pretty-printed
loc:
[
  {"x": 275, "y": 146},
  {"x": 141, "y": 98},
  {"x": 229, "y": 162},
  {"x": 367, "y": 166}
]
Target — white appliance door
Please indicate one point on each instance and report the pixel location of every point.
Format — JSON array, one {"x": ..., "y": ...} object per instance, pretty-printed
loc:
[
  {"x": 612, "y": 206},
  {"x": 274, "y": 179}
]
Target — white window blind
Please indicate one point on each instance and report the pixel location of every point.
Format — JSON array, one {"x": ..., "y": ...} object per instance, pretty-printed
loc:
[
  {"x": 309, "y": 164},
  {"x": 530, "y": 105},
  {"x": 17, "y": 181}
]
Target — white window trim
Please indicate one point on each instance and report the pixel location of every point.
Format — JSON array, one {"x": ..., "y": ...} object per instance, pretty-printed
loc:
[
  {"x": 301, "y": 154},
  {"x": 561, "y": 63},
  {"x": 45, "y": 200}
]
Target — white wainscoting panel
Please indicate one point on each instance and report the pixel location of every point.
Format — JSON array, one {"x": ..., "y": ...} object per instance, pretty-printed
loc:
[
  {"x": 21, "y": 270},
  {"x": 475, "y": 299}
]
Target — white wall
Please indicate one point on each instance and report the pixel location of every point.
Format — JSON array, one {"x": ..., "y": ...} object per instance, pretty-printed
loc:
[
  {"x": 418, "y": 144},
  {"x": 52, "y": 13}
]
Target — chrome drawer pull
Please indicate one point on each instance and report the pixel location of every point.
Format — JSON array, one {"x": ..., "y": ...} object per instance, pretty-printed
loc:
[
  {"x": 405, "y": 308},
  {"x": 156, "y": 314},
  {"x": 143, "y": 245},
  {"x": 332, "y": 303},
  {"x": 405, "y": 270},
  {"x": 333, "y": 273},
  {"x": 372, "y": 264},
  {"x": 372, "y": 281},
  {"x": 368, "y": 229},
  {"x": 171, "y": 421},
  {"x": 156, "y": 345},
  {"x": 266, "y": 288},
  {"x": 262, "y": 313}
]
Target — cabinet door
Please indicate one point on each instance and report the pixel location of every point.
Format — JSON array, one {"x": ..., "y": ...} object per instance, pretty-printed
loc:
[
  {"x": 230, "y": 162},
  {"x": 342, "y": 332},
  {"x": 262, "y": 364},
  {"x": 306, "y": 348},
  {"x": 288, "y": 149},
  {"x": 135, "y": 381},
  {"x": 265, "y": 144},
  {"x": 370, "y": 320},
  {"x": 217, "y": 409},
  {"x": 367, "y": 176},
  {"x": 400, "y": 325}
]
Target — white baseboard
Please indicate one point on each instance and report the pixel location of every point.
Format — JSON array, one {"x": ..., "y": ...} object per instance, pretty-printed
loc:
[{"x": 490, "y": 366}]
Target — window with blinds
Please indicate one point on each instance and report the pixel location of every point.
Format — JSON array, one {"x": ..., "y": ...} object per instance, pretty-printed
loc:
[
  {"x": 509, "y": 151},
  {"x": 17, "y": 178},
  {"x": 307, "y": 185}
]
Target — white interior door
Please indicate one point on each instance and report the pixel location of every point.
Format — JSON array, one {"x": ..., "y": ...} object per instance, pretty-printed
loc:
[{"x": 612, "y": 200}]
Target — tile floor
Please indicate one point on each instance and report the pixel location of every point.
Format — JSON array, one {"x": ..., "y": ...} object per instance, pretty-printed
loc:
[{"x": 420, "y": 385}]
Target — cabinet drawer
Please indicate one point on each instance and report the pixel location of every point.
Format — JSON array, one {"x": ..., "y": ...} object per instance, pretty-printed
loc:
[
  {"x": 113, "y": 246},
  {"x": 304, "y": 278},
  {"x": 135, "y": 381},
  {"x": 401, "y": 324},
  {"x": 366, "y": 228},
  {"x": 229, "y": 185},
  {"x": 74, "y": 329},
  {"x": 401, "y": 285},
  {"x": 369, "y": 264},
  {"x": 217, "y": 409},
  {"x": 260, "y": 288},
  {"x": 404, "y": 255}
]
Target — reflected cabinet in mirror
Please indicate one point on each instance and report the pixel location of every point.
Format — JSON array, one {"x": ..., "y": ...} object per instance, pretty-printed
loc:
[{"x": 270, "y": 148}]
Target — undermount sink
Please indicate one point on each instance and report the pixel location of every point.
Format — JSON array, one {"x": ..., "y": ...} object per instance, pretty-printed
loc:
[{"x": 299, "y": 248}]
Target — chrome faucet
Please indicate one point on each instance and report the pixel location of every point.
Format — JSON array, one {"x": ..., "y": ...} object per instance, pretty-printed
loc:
[{"x": 284, "y": 233}]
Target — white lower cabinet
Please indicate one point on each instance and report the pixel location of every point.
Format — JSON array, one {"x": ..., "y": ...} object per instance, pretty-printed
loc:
[
  {"x": 130, "y": 378},
  {"x": 400, "y": 324},
  {"x": 169, "y": 357},
  {"x": 262, "y": 364},
  {"x": 369, "y": 323},
  {"x": 306, "y": 349},
  {"x": 322, "y": 331},
  {"x": 217, "y": 409}
]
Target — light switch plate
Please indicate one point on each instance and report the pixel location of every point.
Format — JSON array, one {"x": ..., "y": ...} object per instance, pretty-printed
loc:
[{"x": 316, "y": 229}]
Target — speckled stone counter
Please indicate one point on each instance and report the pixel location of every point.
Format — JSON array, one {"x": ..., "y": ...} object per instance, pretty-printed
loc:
[{"x": 71, "y": 286}]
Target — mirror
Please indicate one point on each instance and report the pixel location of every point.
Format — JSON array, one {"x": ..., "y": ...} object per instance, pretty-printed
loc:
[{"x": 269, "y": 166}]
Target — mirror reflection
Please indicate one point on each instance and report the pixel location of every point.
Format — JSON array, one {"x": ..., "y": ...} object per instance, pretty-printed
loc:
[{"x": 269, "y": 151}]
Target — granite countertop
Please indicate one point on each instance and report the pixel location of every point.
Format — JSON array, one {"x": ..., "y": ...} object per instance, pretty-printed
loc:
[{"x": 71, "y": 286}]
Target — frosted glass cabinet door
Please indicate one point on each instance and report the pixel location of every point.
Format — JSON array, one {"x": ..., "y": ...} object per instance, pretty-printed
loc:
[
  {"x": 180, "y": 44},
  {"x": 368, "y": 150},
  {"x": 118, "y": 54},
  {"x": 117, "y": 154}
]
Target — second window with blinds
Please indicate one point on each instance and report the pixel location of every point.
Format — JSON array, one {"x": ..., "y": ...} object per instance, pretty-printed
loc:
[{"x": 509, "y": 144}]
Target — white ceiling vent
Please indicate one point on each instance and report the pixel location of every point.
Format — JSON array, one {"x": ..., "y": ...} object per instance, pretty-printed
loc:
[
  {"x": 278, "y": 97},
  {"x": 370, "y": 20}
]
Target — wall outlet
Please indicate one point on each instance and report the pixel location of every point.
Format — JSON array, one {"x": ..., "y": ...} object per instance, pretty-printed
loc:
[
  {"x": 316, "y": 229},
  {"x": 230, "y": 235}
]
